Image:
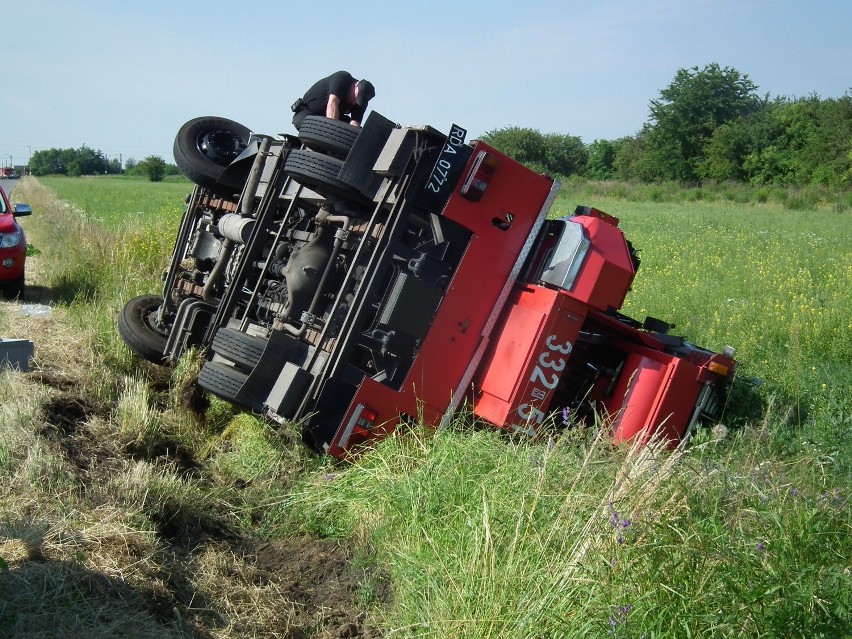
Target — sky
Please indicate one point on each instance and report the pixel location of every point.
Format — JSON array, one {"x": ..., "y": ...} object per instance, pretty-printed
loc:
[{"x": 121, "y": 77}]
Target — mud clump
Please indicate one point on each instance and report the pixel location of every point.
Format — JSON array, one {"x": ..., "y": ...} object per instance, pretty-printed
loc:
[
  {"x": 320, "y": 577},
  {"x": 67, "y": 413},
  {"x": 67, "y": 427}
]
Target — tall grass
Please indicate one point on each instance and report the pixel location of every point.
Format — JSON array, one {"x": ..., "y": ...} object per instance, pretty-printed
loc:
[
  {"x": 104, "y": 511},
  {"x": 481, "y": 538},
  {"x": 815, "y": 197},
  {"x": 91, "y": 261},
  {"x": 486, "y": 538},
  {"x": 745, "y": 533}
]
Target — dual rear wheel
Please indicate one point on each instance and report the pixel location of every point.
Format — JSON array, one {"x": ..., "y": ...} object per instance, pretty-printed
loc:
[{"x": 204, "y": 147}]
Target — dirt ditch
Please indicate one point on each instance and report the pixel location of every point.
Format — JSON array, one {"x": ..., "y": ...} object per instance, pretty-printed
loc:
[
  {"x": 200, "y": 575},
  {"x": 317, "y": 580}
]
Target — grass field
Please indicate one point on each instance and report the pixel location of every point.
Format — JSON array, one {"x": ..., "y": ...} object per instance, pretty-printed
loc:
[
  {"x": 127, "y": 510},
  {"x": 115, "y": 201}
]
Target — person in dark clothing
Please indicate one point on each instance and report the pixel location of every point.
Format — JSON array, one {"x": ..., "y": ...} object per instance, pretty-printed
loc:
[{"x": 339, "y": 96}]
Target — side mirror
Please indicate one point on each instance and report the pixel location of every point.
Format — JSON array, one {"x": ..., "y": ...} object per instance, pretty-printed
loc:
[{"x": 22, "y": 210}]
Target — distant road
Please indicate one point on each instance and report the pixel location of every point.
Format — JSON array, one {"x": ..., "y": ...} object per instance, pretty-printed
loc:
[{"x": 9, "y": 185}]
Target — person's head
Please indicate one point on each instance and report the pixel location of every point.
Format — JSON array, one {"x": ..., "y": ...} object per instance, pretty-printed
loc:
[{"x": 364, "y": 92}]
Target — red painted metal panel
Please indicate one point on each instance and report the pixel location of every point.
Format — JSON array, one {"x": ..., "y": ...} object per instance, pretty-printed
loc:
[
  {"x": 502, "y": 222},
  {"x": 530, "y": 354},
  {"x": 656, "y": 395},
  {"x": 607, "y": 272}
]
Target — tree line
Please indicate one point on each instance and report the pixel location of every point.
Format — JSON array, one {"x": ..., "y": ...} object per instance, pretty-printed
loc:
[
  {"x": 87, "y": 161},
  {"x": 708, "y": 124}
]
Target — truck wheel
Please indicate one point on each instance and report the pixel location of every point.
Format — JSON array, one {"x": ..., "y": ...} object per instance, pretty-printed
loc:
[
  {"x": 227, "y": 382},
  {"x": 222, "y": 380},
  {"x": 136, "y": 326},
  {"x": 206, "y": 145},
  {"x": 319, "y": 172},
  {"x": 333, "y": 137},
  {"x": 241, "y": 348}
]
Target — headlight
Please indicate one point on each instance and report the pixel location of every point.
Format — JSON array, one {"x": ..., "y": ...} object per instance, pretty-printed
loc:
[{"x": 8, "y": 240}]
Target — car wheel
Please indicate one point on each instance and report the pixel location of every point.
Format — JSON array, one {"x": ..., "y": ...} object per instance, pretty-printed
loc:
[
  {"x": 137, "y": 327},
  {"x": 319, "y": 173},
  {"x": 239, "y": 347},
  {"x": 205, "y": 146},
  {"x": 326, "y": 135}
]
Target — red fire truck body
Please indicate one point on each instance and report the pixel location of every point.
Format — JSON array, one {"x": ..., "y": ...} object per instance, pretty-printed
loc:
[{"x": 352, "y": 280}]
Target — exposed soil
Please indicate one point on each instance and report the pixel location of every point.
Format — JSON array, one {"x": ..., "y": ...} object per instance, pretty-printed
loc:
[
  {"x": 66, "y": 427},
  {"x": 318, "y": 582},
  {"x": 319, "y": 578}
]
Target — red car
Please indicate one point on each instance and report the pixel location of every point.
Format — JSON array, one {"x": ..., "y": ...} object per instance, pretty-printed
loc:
[{"x": 13, "y": 247}]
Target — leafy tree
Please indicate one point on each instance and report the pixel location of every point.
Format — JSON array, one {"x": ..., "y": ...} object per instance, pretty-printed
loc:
[
  {"x": 817, "y": 135},
  {"x": 555, "y": 153},
  {"x": 172, "y": 169},
  {"x": 139, "y": 168},
  {"x": 688, "y": 112},
  {"x": 601, "y": 162},
  {"x": 45, "y": 163},
  {"x": 799, "y": 142},
  {"x": 628, "y": 162},
  {"x": 154, "y": 167},
  {"x": 707, "y": 124},
  {"x": 527, "y": 146},
  {"x": 725, "y": 152},
  {"x": 73, "y": 162},
  {"x": 564, "y": 154}
]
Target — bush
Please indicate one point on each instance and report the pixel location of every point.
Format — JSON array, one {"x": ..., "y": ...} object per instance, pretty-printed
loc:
[{"x": 154, "y": 167}]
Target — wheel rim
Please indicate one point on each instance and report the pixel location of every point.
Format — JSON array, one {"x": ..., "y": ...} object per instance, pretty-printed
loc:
[
  {"x": 154, "y": 327},
  {"x": 220, "y": 146},
  {"x": 148, "y": 315}
]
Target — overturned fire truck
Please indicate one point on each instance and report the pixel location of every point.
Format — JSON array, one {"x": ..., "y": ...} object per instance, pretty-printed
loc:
[{"x": 353, "y": 279}]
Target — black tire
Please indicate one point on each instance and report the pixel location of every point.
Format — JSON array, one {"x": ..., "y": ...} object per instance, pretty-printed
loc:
[
  {"x": 222, "y": 380},
  {"x": 333, "y": 137},
  {"x": 319, "y": 173},
  {"x": 241, "y": 348},
  {"x": 136, "y": 326},
  {"x": 205, "y": 146}
]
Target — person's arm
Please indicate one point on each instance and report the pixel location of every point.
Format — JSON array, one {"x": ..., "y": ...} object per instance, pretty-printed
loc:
[
  {"x": 332, "y": 109},
  {"x": 357, "y": 115}
]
